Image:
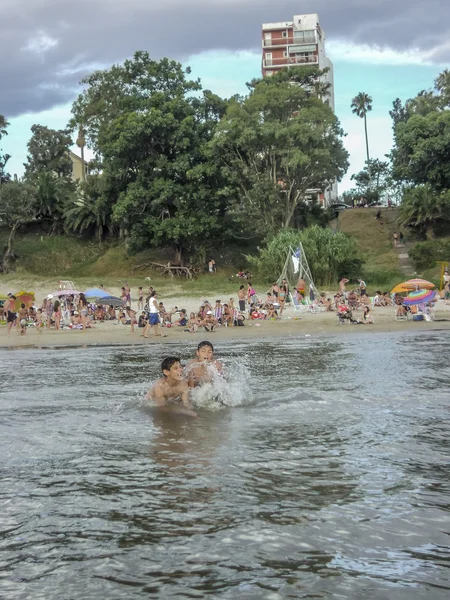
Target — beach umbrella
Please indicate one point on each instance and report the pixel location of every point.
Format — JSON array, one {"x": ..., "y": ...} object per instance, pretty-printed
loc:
[
  {"x": 413, "y": 284},
  {"x": 401, "y": 288},
  {"x": 22, "y": 297},
  {"x": 62, "y": 293},
  {"x": 96, "y": 293},
  {"x": 419, "y": 297},
  {"x": 107, "y": 299},
  {"x": 421, "y": 284}
]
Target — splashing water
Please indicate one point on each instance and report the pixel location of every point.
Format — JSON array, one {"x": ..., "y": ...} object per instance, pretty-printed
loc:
[{"x": 224, "y": 390}]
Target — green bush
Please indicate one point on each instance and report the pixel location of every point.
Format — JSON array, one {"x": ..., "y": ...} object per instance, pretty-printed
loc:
[
  {"x": 330, "y": 255},
  {"x": 425, "y": 254}
]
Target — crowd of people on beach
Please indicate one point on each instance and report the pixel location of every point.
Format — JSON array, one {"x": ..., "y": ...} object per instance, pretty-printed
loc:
[{"x": 147, "y": 313}]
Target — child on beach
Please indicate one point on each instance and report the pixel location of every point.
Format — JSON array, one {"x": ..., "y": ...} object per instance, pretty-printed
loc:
[{"x": 22, "y": 316}]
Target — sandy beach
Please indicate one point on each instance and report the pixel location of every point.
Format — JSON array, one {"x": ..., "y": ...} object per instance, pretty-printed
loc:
[{"x": 292, "y": 324}]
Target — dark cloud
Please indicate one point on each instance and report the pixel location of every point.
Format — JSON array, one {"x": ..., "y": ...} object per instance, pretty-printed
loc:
[{"x": 50, "y": 45}]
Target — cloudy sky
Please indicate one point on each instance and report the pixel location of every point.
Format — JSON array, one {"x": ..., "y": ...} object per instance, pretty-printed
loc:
[{"x": 387, "y": 48}]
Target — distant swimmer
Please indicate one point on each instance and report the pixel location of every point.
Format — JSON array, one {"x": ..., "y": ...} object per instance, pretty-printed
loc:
[
  {"x": 203, "y": 368},
  {"x": 170, "y": 392}
]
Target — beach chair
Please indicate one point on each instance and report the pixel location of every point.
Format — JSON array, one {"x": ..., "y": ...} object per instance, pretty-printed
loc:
[
  {"x": 299, "y": 306},
  {"x": 398, "y": 317}
]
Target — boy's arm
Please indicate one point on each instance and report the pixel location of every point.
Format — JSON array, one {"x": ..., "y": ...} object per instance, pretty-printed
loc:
[{"x": 156, "y": 393}]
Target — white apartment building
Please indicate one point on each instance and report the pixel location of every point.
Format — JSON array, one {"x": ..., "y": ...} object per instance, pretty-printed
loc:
[{"x": 293, "y": 43}]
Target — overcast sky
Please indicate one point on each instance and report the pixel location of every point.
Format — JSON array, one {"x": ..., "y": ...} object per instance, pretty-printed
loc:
[{"x": 49, "y": 45}]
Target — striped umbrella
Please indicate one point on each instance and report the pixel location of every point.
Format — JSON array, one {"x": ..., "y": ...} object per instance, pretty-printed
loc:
[{"x": 419, "y": 297}]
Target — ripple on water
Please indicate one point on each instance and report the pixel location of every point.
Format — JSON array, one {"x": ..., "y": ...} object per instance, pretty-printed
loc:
[{"x": 323, "y": 475}]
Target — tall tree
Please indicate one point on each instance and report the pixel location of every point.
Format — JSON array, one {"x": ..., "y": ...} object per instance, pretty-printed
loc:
[
  {"x": 48, "y": 150},
  {"x": 150, "y": 126},
  {"x": 278, "y": 143},
  {"x": 361, "y": 105},
  {"x": 53, "y": 193},
  {"x": 17, "y": 207},
  {"x": 4, "y": 176}
]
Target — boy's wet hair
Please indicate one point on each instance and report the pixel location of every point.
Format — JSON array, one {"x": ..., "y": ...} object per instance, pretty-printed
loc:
[
  {"x": 168, "y": 363},
  {"x": 205, "y": 343}
]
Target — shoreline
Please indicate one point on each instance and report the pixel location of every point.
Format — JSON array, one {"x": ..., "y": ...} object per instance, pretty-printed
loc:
[{"x": 306, "y": 324}]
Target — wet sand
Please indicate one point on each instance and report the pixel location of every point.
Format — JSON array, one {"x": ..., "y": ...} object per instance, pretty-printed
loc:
[{"x": 293, "y": 324}]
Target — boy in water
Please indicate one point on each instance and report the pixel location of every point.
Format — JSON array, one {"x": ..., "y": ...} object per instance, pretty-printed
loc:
[
  {"x": 204, "y": 367},
  {"x": 170, "y": 392}
]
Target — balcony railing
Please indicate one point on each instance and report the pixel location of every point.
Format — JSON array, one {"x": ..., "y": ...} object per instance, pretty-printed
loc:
[
  {"x": 290, "y": 60},
  {"x": 284, "y": 41}
]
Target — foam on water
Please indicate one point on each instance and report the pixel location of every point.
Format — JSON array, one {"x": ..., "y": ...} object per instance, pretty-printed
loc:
[{"x": 232, "y": 388}]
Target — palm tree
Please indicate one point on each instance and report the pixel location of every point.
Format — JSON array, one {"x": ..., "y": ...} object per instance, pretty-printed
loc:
[
  {"x": 361, "y": 105},
  {"x": 422, "y": 207},
  {"x": 52, "y": 194},
  {"x": 3, "y": 126}
]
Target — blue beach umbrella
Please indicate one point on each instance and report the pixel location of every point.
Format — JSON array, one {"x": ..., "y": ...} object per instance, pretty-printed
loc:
[{"x": 96, "y": 293}]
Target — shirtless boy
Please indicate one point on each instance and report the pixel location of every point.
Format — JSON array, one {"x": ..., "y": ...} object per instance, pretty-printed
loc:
[
  {"x": 170, "y": 392},
  {"x": 199, "y": 368}
]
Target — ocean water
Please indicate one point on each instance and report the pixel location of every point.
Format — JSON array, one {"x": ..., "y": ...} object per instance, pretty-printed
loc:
[{"x": 322, "y": 472}]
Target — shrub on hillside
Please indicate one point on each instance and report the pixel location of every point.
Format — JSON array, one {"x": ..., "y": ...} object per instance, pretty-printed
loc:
[
  {"x": 330, "y": 255},
  {"x": 425, "y": 254}
]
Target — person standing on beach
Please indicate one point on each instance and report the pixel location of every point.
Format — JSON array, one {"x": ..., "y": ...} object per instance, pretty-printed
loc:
[
  {"x": 23, "y": 314},
  {"x": 153, "y": 317},
  {"x": 8, "y": 309},
  {"x": 140, "y": 305},
  {"x": 342, "y": 288},
  {"x": 241, "y": 298}
]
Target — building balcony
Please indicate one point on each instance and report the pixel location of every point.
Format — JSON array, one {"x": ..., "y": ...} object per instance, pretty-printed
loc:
[
  {"x": 284, "y": 41},
  {"x": 289, "y": 60}
]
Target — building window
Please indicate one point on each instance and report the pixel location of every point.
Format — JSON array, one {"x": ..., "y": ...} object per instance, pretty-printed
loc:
[
  {"x": 302, "y": 37},
  {"x": 285, "y": 54},
  {"x": 284, "y": 34}
]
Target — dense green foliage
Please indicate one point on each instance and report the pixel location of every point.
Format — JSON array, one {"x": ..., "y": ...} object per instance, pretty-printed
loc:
[
  {"x": 4, "y": 176},
  {"x": 330, "y": 255},
  {"x": 423, "y": 208},
  {"x": 426, "y": 254},
  {"x": 176, "y": 165},
  {"x": 421, "y": 153},
  {"x": 17, "y": 206},
  {"x": 277, "y": 143}
]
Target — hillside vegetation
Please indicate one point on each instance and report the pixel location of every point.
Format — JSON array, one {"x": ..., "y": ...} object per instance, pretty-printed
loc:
[{"x": 375, "y": 242}]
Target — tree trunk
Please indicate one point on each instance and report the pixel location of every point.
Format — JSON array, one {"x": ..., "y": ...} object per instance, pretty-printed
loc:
[
  {"x": 367, "y": 146},
  {"x": 9, "y": 253},
  {"x": 179, "y": 255}
]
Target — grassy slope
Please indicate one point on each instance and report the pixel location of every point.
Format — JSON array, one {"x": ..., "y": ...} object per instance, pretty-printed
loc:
[
  {"x": 48, "y": 259},
  {"x": 374, "y": 240},
  {"x": 45, "y": 260}
]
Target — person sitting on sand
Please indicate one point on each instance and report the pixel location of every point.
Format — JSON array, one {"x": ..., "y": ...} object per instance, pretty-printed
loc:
[
  {"x": 193, "y": 323},
  {"x": 131, "y": 316},
  {"x": 111, "y": 312},
  {"x": 209, "y": 322},
  {"x": 170, "y": 392},
  {"x": 183, "y": 320},
  {"x": 367, "y": 313},
  {"x": 387, "y": 299},
  {"x": 142, "y": 319},
  {"x": 204, "y": 367}
]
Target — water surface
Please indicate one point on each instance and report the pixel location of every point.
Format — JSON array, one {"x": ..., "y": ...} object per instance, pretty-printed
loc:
[{"x": 327, "y": 478}]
